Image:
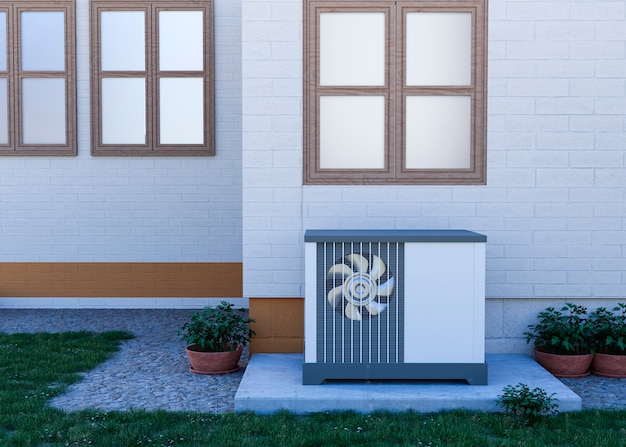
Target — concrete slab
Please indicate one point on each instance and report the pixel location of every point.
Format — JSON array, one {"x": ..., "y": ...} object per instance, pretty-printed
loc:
[{"x": 273, "y": 382}]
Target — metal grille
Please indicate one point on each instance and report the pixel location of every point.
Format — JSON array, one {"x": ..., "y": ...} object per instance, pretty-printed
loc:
[{"x": 360, "y": 302}]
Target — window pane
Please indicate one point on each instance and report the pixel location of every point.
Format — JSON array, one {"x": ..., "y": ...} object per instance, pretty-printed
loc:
[
  {"x": 43, "y": 111},
  {"x": 181, "y": 111},
  {"x": 3, "y": 41},
  {"x": 438, "y": 48},
  {"x": 352, "y": 48},
  {"x": 181, "y": 40},
  {"x": 43, "y": 40},
  {"x": 438, "y": 132},
  {"x": 123, "y": 111},
  {"x": 352, "y": 132},
  {"x": 123, "y": 40},
  {"x": 4, "y": 117}
]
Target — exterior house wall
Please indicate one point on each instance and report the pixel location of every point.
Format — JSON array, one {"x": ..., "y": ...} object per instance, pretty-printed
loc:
[
  {"x": 64, "y": 213},
  {"x": 553, "y": 208}
]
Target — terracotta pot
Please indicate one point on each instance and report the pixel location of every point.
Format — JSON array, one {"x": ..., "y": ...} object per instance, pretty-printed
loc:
[
  {"x": 213, "y": 362},
  {"x": 609, "y": 365},
  {"x": 565, "y": 365}
]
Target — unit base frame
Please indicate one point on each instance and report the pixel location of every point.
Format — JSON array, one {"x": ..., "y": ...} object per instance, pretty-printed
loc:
[{"x": 318, "y": 373}]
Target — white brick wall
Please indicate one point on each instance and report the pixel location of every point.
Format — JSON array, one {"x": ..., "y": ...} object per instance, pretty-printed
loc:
[
  {"x": 114, "y": 209},
  {"x": 553, "y": 208}
]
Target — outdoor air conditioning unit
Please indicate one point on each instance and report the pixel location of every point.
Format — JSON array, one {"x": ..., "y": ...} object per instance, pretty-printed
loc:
[{"x": 396, "y": 304}]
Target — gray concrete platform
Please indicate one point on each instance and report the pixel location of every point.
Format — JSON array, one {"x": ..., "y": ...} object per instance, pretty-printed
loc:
[{"x": 273, "y": 382}]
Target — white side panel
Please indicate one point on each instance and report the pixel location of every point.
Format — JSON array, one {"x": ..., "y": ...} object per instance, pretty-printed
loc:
[
  {"x": 479, "y": 300},
  {"x": 310, "y": 298},
  {"x": 442, "y": 312}
]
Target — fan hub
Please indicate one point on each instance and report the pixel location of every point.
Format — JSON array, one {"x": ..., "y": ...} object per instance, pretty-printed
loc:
[{"x": 359, "y": 289}]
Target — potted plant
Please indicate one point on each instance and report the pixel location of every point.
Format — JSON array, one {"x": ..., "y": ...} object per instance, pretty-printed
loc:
[
  {"x": 215, "y": 337},
  {"x": 563, "y": 340},
  {"x": 609, "y": 335}
]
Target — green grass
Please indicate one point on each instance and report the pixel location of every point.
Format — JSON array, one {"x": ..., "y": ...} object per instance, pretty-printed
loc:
[{"x": 36, "y": 367}]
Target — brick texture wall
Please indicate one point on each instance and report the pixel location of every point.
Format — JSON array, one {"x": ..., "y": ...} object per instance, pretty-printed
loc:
[
  {"x": 554, "y": 204},
  {"x": 131, "y": 209}
]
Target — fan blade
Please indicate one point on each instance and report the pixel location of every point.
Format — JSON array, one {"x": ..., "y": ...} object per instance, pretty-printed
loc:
[
  {"x": 378, "y": 267},
  {"x": 375, "y": 308},
  {"x": 334, "y": 296},
  {"x": 353, "y": 312},
  {"x": 385, "y": 289},
  {"x": 340, "y": 269},
  {"x": 358, "y": 261}
]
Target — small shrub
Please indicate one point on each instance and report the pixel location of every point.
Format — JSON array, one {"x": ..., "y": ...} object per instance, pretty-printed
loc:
[
  {"x": 609, "y": 329},
  {"x": 526, "y": 405},
  {"x": 217, "y": 328},
  {"x": 564, "y": 331}
]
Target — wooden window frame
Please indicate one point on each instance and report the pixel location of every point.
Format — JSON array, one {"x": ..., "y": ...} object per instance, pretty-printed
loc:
[
  {"x": 152, "y": 74},
  {"x": 395, "y": 91},
  {"x": 14, "y": 75}
]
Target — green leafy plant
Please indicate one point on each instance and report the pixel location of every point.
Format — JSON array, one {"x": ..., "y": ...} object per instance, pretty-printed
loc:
[
  {"x": 609, "y": 329},
  {"x": 217, "y": 328},
  {"x": 564, "y": 331},
  {"x": 526, "y": 405}
]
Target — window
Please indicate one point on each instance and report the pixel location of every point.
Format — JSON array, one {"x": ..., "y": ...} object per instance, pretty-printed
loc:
[
  {"x": 37, "y": 78},
  {"x": 395, "y": 92},
  {"x": 152, "y": 78}
]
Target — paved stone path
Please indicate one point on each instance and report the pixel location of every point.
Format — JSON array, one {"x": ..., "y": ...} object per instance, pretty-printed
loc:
[{"x": 151, "y": 371}]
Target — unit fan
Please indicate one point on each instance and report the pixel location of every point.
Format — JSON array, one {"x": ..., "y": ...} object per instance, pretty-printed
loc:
[{"x": 359, "y": 284}]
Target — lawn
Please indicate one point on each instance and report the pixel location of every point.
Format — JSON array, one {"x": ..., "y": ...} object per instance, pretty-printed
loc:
[{"x": 36, "y": 367}]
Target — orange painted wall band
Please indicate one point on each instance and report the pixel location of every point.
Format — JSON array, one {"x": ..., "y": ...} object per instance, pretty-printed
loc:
[{"x": 123, "y": 279}]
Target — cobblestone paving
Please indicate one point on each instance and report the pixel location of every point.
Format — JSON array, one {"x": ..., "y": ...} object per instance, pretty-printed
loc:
[
  {"x": 151, "y": 371},
  {"x": 599, "y": 392}
]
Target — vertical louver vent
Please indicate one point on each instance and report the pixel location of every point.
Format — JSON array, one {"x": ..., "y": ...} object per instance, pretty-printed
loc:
[{"x": 360, "y": 302}]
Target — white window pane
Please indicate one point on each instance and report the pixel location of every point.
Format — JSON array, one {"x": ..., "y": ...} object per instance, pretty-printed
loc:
[
  {"x": 438, "y": 132},
  {"x": 3, "y": 41},
  {"x": 123, "y": 111},
  {"x": 43, "y": 111},
  {"x": 352, "y": 132},
  {"x": 438, "y": 48},
  {"x": 181, "y": 40},
  {"x": 181, "y": 111},
  {"x": 43, "y": 40},
  {"x": 123, "y": 40},
  {"x": 4, "y": 118},
  {"x": 352, "y": 48}
]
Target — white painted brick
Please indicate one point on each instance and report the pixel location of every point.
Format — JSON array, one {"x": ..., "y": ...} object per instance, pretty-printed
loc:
[
  {"x": 507, "y": 209},
  {"x": 511, "y": 106},
  {"x": 512, "y": 68},
  {"x": 615, "y": 208},
  {"x": 538, "y": 87},
  {"x": 597, "y": 10},
  {"x": 604, "y": 123},
  {"x": 597, "y": 50},
  {"x": 513, "y": 140},
  {"x": 537, "y": 11},
  {"x": 565, "y": 30},
  {"x": 565, "y": 69},
  {"x": 596, "y": 159},
  {"x": 611, "y": 178},
  {"x": 613, "y": 30},
  {"x": 565, "y": 106},
  {"x": 537, "y": 50},
  {"x": 594, "y": 223},
  {"x": 511, "y": 30},
  {"x": 566, "y": 140},
  {"x": 564, "y": 209},
  {"x": 610, "y": 68},
  {"x": 538, "y": 158},
  {"x": 512, "y": 177}
]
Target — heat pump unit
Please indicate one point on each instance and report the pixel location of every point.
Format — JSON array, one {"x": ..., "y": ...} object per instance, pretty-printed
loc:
[{"x": 396, "y": 304}]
